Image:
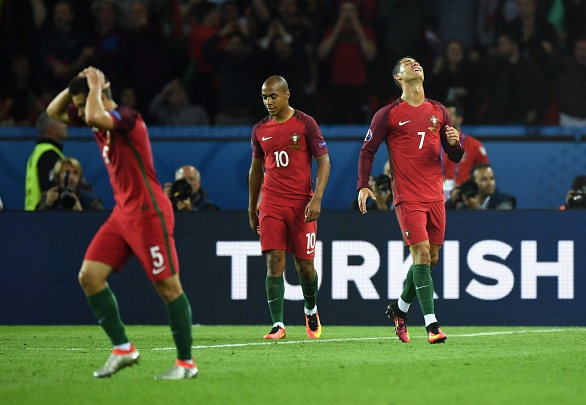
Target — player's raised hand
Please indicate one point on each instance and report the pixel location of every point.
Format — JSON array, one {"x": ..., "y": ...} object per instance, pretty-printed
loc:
[
  {"x": 363, "y": 195},
  {"x": 453, "y": 135}
]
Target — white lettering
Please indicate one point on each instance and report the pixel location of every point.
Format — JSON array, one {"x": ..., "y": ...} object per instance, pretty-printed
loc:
[
  {"x": 490, "y": 269},
  {"x": 343, "y": 273},
  {"x": 398, "y": 267},
  {"x": 239, "y": 251},
  {"x": 563, "y": 269},
  {"x": 451, "y": 262}
]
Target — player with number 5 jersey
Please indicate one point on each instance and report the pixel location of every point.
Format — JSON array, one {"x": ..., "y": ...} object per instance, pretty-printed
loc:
[
  {"x": 415, "y": 130},
  {"x": 141, "y": 222},
  {"x": 284, "y": 145}
]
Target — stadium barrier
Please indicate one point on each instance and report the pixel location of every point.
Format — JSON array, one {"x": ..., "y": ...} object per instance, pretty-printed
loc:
[
  {"x": 496, "y": 268},
  {"x": 536, "y": 164}
]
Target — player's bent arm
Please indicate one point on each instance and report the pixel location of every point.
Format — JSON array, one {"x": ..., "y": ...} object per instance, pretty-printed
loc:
[
  {"x": 322, "y": 176},
  {"x": 57, "y": 108}
]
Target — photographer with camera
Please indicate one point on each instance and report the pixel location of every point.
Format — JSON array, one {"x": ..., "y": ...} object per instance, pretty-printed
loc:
[
  {"x": 490, "y": 196},
  {"x": 381, "y": 188},
  {"x": 576, "y": 197},
  {"x": 67, "y": 195},
  {"x": 186, "y": 192},
  {"x": 465, "y": 197}
]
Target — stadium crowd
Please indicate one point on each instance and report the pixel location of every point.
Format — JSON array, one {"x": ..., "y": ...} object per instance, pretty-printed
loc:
[{"x": 505, "y": 61}]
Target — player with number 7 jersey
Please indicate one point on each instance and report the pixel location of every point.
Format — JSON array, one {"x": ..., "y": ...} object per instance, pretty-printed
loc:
[
  {"x": 415, "y": 130},
  {"x": 283, "y": 147}
]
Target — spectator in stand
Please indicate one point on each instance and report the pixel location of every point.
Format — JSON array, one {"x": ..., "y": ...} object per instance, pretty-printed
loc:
[
  {"x": 518, "y": 93},
  {"x": 455, "y": 174},
  {"x": 456, "y": 21},
  {"x": 538, "y": 36},
  {"x": 383, "y": 196},
  {"x": 573, "y": 20},
  {"x": 20, "y": 94},
  {"x": 64, "y": 48},
  {"x": 171, "y": 107},
  {"x": 405, "y": 19},
  {"x": 67, "y": 193},
  {"x": 111, "y": 41},
  {"x": 349, "y": 49},
  {"x": 19, "y": 21},
  {"x": 296, "y": 24},
  {"x": 149, "y": 63},
  {"x": 186, "y": 192},
  {"x": 236, "y": 69},
  {"x": 321, "y": 15},
  {"x": 572, "y": 91},
  {"x": 128, "y": 97},
  {"x": 490, "y": 196},
  {"x": 457, "y": 76},
  {"x": 200, "y": 77},
  {"x": 281, "y": 54},
  {"x": 40, "y": 165},
  {"x": 465, "y": 197},
  {"x": 301, "y": 31}
]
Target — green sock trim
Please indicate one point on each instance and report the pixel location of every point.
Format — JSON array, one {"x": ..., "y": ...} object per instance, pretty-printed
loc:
[
  {"x": 409, "y": 293},
  {"x": 309, "y": 292},
  {"x": 275, "y": 287},
  {"x": 424, "y": 287},
  {"x": 180, "y": 321},
  {"x": 105, "y": 308}
]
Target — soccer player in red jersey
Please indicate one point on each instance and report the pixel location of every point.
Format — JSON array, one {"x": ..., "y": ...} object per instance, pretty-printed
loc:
[
  {"x": 283, "y": 145},
  {"x": 415, "y": 130},
  {"x": 141, "y": 222},
  {"x": 454, "y": 173}
]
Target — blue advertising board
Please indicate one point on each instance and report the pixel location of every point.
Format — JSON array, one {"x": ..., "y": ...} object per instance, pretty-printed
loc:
[{"x": 495, "y": 268}]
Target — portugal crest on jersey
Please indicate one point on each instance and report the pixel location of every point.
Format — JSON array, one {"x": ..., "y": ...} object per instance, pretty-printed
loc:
[
  {"x": 295, "y": 138},
  {"x": 435, "y": 123}
]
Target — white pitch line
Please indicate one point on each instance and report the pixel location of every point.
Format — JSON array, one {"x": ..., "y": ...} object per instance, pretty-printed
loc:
[{"x": 288, "y": 342}]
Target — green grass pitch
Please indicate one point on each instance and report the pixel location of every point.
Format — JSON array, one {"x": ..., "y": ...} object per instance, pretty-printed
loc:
[{"x": 348, "y": 365}]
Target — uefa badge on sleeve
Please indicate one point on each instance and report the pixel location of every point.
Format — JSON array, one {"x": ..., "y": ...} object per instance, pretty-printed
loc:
[{"x": 368, "y": 136}]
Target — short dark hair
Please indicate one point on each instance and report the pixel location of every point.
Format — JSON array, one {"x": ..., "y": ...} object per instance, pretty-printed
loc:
[
  {"x": 397, "y": 67},
  {"x": 478, "y": 166},
  {"x": 78, "y": 85},
  {"x": 456, "y": 105}
]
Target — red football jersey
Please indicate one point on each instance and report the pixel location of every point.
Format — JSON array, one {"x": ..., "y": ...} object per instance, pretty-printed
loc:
[
  {"x": 287, "y": 149},
  {"x": 475, "y": 154},
  {"x": 126, "y": 151},
  {"x": 414, "y": 137}
]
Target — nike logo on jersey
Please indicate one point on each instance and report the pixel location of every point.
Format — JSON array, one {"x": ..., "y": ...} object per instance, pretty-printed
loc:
[
  {"x": 401, "y": 123},
  {"x": 420, "y": 287},
  {"x": 267, "y": 138},
  {"x": 310, "y": 251},
  {"x": 159, "y": 270}
]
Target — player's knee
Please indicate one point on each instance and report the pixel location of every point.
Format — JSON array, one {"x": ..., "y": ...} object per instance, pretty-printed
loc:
[
  {"x": 84, "y": 278},
  {"x": 89, "y": 278}
]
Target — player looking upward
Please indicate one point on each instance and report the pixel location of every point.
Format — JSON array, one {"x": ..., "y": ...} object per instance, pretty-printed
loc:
[
  {"x": 283, "y": 145},
  {"x": 141, "y": 222},
  {"x": 414, "y": 130}
]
